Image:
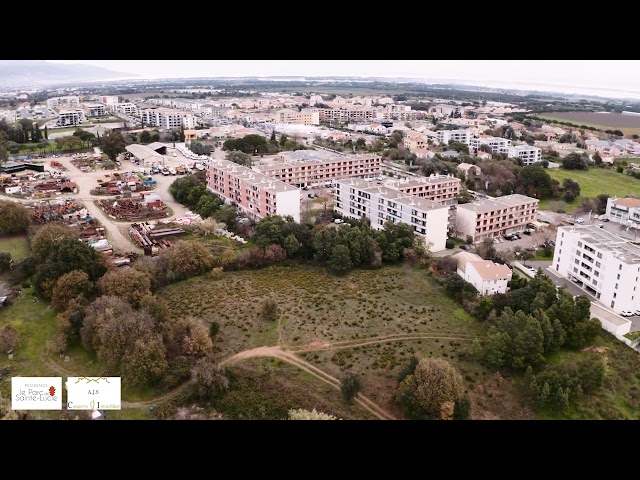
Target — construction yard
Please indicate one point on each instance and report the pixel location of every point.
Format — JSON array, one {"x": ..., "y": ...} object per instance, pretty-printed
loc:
[{"x": 139, "y": 207}]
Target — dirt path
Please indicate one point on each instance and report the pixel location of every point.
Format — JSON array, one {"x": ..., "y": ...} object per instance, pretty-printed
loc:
[
  {"x": 277, "y": 352},
  {"x": 315, "y": 347}
]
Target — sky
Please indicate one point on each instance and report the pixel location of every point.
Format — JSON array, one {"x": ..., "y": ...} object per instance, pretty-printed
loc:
[{"x": 616, "y": 78}]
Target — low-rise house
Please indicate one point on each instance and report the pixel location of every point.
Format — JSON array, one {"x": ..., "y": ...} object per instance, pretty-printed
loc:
[{"x": 487, "y": 277}]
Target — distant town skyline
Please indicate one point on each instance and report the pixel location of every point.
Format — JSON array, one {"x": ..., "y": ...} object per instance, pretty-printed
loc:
[{"x": 607, "y": 78}]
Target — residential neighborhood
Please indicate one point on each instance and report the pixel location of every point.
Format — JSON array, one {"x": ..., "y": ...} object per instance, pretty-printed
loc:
[{"x": 267, "y": 249}]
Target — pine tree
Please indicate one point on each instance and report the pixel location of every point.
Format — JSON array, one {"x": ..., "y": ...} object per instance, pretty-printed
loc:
[{"x": 46, "y": 133}]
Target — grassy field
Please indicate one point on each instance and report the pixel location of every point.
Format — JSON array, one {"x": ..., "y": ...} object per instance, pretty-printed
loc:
[
  {"x": 593, "y": 182},
  {"x": 16, "y": 245},
  {"x": 629, "y": 124},
  {"x": 349, "y": 323}
]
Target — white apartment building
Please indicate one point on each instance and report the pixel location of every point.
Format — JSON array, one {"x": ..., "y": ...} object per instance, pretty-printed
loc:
[
  {"x": 318, "y": 167},
  {"x": 526, "y": 153},
  {"x": 601, "y": 263},
  {"x": 495, "y": 217},
  {"x": 462, "y": 136},
  {"x": 167, "y": 118},
  {"x": 624, "y": 210},
  {"x": 95, "y": 109},
  {"x": 126, "y": 108},
  {"x": 304, "y": 117},
  {"x": 253, "y": 193},
  {"x": 357, "y": 198},
  {"x": 68, "y": 118},
  {"x": 68, "y": 101},
  {"x": 486, "y": 276},
  {"x": 497, "y": 144}
]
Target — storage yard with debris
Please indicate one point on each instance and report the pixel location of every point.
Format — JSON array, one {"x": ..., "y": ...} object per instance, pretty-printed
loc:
[{"x": 146, "y": 206}]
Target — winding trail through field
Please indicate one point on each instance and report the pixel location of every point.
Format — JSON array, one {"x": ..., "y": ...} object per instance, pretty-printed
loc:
[
  {"x": 286, "y": 356},
  {"x": 289, "y": 356}
]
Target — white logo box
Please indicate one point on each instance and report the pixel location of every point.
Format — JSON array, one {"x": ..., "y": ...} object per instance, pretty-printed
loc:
[
  {"x": 93, "y": 393},
  {"x": 36, "y": 393}
]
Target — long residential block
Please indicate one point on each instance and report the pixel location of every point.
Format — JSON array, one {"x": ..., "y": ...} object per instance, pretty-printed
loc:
[
  {"x": 358, "y": 198},
  {"x": 442, "y": 189},
  {"x": 317, "y": 167},
  {"x": 255, "y": 194}
]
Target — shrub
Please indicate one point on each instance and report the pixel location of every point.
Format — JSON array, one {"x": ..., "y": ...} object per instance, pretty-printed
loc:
[{"x": 350, "y": 385}]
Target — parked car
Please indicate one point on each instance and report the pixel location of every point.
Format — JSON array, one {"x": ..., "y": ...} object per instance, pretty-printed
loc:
[
  {"x": 604, "y": 219},
  {"x": 580, "y": 220},
  {"x": 601, "y": 225},
  {"x": 626, "y": 313},
  {"x": 637, "y": 312},
  {"x": 464, "y": 247}
]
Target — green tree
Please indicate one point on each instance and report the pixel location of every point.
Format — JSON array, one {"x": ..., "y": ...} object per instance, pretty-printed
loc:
[
  {"x": 65, "y": 256},
  {"x": 113, "y": 143},
  {"x": 350, "y": 385},
  {"x": 270, "y": 310},
  {"x": 72, "y": 285},
  {"x": 145, "y": 136},
  {"x": 131, "y": 285},
  {"x": 48, "y": 235},
  {"x": 5, "y": 261},
  {"x": 210, "y": 379},
  {"x": 487, "y": 249},
  {"x": 434, "y": 383},
  {"x": 601, "y": 203},
  {"x": 240, "y": 158},
  {"x": 575, "y": 161},
  {"x": 46, "y": 133},
  {"x": 534, "y": 181},
  {"x": 340, "y": 259},
  {"x": 516, "y": 340},
  {"x": 187, "y": 259},
  {"x": 14, "y": 217},
  {"x": 394, "y": 239},
  {"x": 571, "y": 190}
]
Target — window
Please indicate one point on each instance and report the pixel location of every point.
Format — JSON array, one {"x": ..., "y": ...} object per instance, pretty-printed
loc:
[
  {"x": 618, "y": 277},
  {"x": 620, "y": 267},
  {"x": 599, "y": 255},
  {"x": 560, "y": 252},
  {"x": 616, "y": 286},
  {"x": 614, "y": 294},
  {"x": 598, "y": 264}
]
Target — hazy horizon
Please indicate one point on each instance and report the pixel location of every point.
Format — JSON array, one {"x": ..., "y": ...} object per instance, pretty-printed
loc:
[{"x": 605, "y": 78}]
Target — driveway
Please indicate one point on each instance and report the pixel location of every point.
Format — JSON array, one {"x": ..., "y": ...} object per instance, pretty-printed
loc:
[{"x": 575, "y": 290}]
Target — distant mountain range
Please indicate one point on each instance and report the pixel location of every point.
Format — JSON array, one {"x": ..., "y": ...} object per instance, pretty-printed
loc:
[{"x": 38, "y": 73}]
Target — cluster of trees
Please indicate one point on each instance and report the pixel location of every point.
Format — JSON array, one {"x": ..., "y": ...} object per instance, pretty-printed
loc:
[
  {"x": 252, "y": 144},
  {"x": 115, "y": 313},
  {"x": 14, "y": 217},
  {"x": 530, "y": 321},
  {"x": 147, "y": 136},
  {"x": 200, "y": 148},
  {"x": 23, "y": 131},
  {"x": 192, "y": 192},
  {"x": 340, "y": 247},
  {"x": 576, "y": 161},
  {"x": 556, "y": 386}
]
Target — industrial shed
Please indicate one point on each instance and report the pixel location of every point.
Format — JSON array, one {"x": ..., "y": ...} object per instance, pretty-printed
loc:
[{"x": 145, "y": 155}]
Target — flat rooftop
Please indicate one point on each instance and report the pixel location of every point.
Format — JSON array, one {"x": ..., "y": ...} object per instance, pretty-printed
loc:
[
  {"x": 597, "y": 237},
  {"x": 252, "y": 176},
  {"x": 392, "y": 194},
  {"x": 417, "y": 181},
  {"x": 515, "y": 199}
]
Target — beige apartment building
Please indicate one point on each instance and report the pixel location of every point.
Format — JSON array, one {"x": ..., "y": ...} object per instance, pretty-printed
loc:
[
  {"x": 304, "y": 168},
  {"x": 495, "y": 217},
  {"x": 443, "y": 189},
  {"x": 253, "y": 193},
  {"x": 304, "y": 117}
]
